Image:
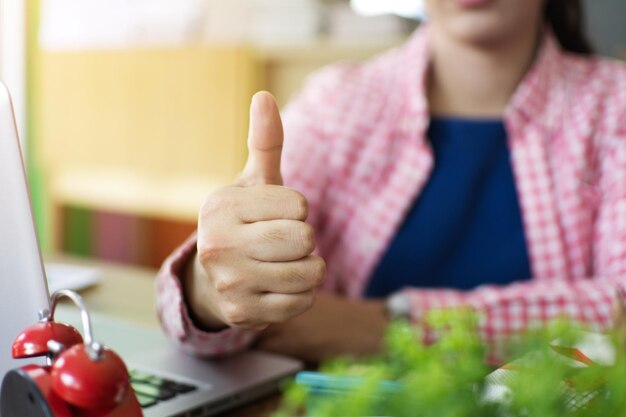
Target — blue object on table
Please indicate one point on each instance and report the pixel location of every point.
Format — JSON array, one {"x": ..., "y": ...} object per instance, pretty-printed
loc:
[{"x": 323, "y": 387}]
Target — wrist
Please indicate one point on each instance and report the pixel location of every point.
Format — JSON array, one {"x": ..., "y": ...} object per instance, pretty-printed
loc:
[
  {"x": 378, "y": 321},
  {"x": 199, "y": 297}
]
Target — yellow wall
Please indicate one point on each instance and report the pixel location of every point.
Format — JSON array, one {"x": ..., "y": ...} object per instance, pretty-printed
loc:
[{"x": 160, "y": 112}]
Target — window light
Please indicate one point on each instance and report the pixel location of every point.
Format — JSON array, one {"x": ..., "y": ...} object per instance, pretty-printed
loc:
[{"x": 406, "y": 8}]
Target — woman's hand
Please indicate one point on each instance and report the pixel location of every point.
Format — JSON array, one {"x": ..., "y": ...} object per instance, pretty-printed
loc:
[
  {"x": 254, "y": 265},
  {"x": 334, "y": 327}
]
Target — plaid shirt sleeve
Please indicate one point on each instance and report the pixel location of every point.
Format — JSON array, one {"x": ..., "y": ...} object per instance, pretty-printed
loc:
[{"x": 506, "y": 311}]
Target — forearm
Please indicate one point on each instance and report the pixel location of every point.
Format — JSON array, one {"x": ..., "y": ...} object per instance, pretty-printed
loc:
[{"x": 334, "y": 327}]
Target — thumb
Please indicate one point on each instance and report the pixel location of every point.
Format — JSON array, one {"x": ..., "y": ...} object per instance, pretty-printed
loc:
[{"x": 265, "y": 142}]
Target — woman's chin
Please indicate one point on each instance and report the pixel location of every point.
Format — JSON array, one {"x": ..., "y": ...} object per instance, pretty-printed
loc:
[
  {"x": 474, "y": 4},
  {"x": 479, "y": 30},
  {"x": 485, "y": 22}
]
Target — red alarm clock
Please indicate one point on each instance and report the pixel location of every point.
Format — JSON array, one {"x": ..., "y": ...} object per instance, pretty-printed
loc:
[{"x": 81, "y": 378}]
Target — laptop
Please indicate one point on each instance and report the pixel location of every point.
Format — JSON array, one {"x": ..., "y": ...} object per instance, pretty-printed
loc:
[{"x": 168, "y": 382}]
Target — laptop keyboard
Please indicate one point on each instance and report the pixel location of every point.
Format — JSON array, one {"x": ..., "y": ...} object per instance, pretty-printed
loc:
[{"x": 151, "y": 389}]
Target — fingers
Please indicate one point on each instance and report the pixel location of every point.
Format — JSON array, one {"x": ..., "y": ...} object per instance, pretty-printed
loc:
[
  {"x": 260, "y": 278},
  {"x": 262, "y": 293},
  {"x": 271, "y": 202},
  {"x": 282, "y": 307},
  {"x": 278, "y": 240},
  {"x": 268, "y": 309},
  {"x": 294, "y": 277},
  {"x": 254, "y": 204},
  {"x": 265, "y": 143}
]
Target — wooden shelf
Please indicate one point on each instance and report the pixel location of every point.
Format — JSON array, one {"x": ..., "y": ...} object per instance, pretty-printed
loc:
[
  {"x": 326, "y": 49},
  {"x": 175, "y": 198}
]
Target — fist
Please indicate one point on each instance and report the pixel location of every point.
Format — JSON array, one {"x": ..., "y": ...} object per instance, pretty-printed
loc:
[{"x": 254, "y": 265}]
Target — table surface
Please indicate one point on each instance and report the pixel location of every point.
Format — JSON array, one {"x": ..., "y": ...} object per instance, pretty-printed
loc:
[{"x": 127, "y": 292}]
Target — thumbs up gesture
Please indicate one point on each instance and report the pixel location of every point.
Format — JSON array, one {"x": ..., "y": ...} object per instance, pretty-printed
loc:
[{"x": 254, "y": 265}]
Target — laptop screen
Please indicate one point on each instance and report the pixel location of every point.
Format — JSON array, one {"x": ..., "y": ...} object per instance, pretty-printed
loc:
[{"x": 23, "y": 290}]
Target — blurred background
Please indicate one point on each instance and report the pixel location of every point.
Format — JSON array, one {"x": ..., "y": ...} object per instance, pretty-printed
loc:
[{"x": 133, "y": 111}]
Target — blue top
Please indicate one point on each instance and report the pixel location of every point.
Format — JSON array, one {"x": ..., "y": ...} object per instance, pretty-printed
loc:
[{"x": 465, "y": 229}]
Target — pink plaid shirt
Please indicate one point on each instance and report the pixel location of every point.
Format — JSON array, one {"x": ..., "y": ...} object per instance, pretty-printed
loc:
[{"x": 356, "y": 147}]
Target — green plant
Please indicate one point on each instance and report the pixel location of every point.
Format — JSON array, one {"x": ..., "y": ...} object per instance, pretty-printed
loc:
[{"x": 450, "y": 378}]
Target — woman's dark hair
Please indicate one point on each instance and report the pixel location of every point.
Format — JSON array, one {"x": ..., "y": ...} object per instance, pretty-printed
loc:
[{"x": 567, "y": 19}]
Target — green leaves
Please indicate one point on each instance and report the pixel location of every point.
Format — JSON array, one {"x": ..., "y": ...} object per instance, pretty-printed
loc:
[{"x": 448, "y": 378}]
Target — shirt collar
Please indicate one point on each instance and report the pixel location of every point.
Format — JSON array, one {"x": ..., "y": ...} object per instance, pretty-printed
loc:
[
  {"x": 532, "y": 100},
  {"x": 540, "y": 88}
]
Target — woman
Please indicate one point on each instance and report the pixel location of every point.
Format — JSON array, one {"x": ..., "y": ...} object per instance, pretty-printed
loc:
[{"x": 483, "y": 164}]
